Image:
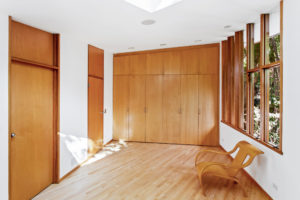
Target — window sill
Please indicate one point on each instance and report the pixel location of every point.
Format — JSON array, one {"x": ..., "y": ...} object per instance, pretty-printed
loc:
[{"x": 250, "y": 136}]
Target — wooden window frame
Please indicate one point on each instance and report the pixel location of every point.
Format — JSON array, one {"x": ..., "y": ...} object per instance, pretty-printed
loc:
[{"x": 263, "y": 66}]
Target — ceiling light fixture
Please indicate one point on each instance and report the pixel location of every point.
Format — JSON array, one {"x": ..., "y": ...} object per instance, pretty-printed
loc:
[
  {"x": 131, "y": 48},
  {"x": 162, "y": 45},
  {"x": 152, "y": 5},
  {"x": 148, "y": 22},
  {"x": 227, "y": 26}
]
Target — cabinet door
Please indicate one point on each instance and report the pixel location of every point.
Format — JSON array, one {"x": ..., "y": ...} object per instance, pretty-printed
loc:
[
  {"x": 121, "y": 65},
  {"x": 95, "y": 117},
  {"x": 137, "y": 115},
  {"x": 121, "y": 107},
  {"x": 154, "y": 108},
  {"x": 190, "y": 61},
  {"x": 172, "y": 62},
  {"x": 209, "y": 60},
  {"x": 171, "y": 109},
  {"x": 189, "y": 106},
  {"x": 138, "y": 64},
  {"x": 155, "y": 63},
  {"x": 96, "y": 61},
  {"x": 208, "y": 110}
]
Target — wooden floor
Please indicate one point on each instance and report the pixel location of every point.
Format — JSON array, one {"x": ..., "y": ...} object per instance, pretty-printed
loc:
[{"x": 146, "y": 171}]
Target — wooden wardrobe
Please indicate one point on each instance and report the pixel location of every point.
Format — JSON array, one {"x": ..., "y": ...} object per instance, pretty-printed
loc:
[{"x": 167, "y": 95}]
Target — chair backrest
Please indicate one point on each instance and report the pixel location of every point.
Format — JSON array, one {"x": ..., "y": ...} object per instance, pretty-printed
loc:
[{"x": 246, "y": 150}]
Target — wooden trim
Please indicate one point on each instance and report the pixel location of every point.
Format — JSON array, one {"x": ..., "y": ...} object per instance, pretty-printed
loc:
[
  {"x": 250, "y": 136},
  {"x": 9, "y": 104},
  {"x": 248, "y": 175},
  {"x": 268, "y": 66},
  {"x": 21, "y": 60},
  {"x": 93, "y": 76},
  {"x": 253, "y": 70},
  {"x": 167, "y": 49},
  {"x": 281, "y": 73}
]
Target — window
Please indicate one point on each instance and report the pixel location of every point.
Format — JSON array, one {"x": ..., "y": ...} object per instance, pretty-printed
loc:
[{"x": 252, "y": 86}]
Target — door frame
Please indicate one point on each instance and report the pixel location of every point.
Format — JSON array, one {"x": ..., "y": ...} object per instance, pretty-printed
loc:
[{"x": 56, "y": 98}]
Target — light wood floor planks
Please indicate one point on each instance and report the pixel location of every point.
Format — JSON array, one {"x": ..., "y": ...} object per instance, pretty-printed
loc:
[{"x": 146, "y": 171}]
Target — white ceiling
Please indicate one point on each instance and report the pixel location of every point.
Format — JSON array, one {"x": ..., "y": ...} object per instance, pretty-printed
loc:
[{"x": 115, "y": 25}]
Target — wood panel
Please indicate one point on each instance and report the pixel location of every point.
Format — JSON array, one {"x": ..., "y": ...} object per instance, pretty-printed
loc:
[
  {"x": 209, "y": 60},
  {"x": 31, "y": 119},
  {"x": 189, "y": 107},
  {"x": 121, "y": 65},
  {"x": 171, "y": 109},
  {"x": 155, "y": 63},
  {"x": 137, "y": 64},
  {"x": 137, "y": 114},
  {"x": 208, "y": 110},
  {"x": 154, "y": 108},
  {"x": 95, "y": 117},
  {"x": 31, "y": 44},
  {"x": 172, "y": 62},
  {"x": 96, "y": 61},
  {"x": 224, "y": 81},
  {"x": 121, "y": 107},
  {"x": 190, "y": 61}
]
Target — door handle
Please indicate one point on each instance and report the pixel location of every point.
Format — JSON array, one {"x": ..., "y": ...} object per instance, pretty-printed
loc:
[
  {"x": 104, "y": 111},
  {"x": 12, "y": 135}
]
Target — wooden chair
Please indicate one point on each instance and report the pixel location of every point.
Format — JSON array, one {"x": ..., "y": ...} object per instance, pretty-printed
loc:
[{"x": 227, "y": 171}]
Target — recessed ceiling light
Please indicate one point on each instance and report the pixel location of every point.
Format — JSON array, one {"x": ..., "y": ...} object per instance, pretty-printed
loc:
[
  {"x": 196, "y": 41},
  {"x": 163, "y": 45},
  {"x": 131, "y": 48},
  {"x": 148, "y": 22},
  {"x": 152, "y": 5},
  {"x": 227, "y": 26}
]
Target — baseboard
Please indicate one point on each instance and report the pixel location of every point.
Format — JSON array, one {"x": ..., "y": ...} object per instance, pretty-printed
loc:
[
  {"x": 248, "y": 175},
  {"x": 79, "y": 165}
]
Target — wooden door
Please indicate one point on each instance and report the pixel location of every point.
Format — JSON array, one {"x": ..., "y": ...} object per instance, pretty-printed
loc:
[
  {"x": 95, "y": 98},
  {"x": 189, "y": 106},
  {"x": 31, "y": 120},
  {"x": 208, "y": 110},
  {"x": 95, "y": 114},
  {"x": 154, "y": 108},
  {"x": 121, "y": 107},
  {"x": 137, "y": 108},
  {"x": 190, "y": 60},
  {"x": 209, "y": 60},
  {"x": 171, "y": 109}
]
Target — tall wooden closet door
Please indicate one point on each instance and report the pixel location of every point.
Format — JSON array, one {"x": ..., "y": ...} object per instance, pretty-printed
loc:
[
  {"x": 121, "y": 107},
  {"x": 95, "y": 116},
  {"x": 189, "y": 106},
  {"x": 171, "y": 109},
  {"x": 154, "y": 108},
  {"x": 208, "y": 110},
  {"x": 137, "y": 108}
]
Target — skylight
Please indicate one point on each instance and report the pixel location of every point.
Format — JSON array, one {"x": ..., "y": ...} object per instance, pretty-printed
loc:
[{"x": 152, "y": 5}]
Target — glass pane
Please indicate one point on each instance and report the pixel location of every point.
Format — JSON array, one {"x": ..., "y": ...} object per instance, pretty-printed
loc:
[
  {"x": 273, "y": 105},
  {"x": 256, "y": 44},
  {"x": 255, "y": 103},
  {"x": 273, "y": 43},
  {"x": 244, "y": 124}
]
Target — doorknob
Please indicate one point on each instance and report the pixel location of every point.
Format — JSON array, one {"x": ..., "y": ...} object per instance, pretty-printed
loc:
[
  {"x": 104, "y": 111},
  {"x": 12, "y": 135}
]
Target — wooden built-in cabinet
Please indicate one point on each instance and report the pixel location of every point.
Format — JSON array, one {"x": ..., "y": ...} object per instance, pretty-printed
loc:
[{"x": 168, "y": 96}]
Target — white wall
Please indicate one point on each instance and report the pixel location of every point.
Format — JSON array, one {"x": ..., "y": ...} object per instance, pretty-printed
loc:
[
  {"x": 3, "y": 106},
  {"x": 279, "y": 174},
  {"x": 73, "y": 101},
  {"x": 108, "y": 97}
]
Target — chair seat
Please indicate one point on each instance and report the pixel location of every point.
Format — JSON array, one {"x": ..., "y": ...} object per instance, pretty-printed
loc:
[{"x": 212, "y": 168}]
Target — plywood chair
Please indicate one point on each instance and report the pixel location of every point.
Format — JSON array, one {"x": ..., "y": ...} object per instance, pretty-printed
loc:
[{"x": 227, "y": 171}]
